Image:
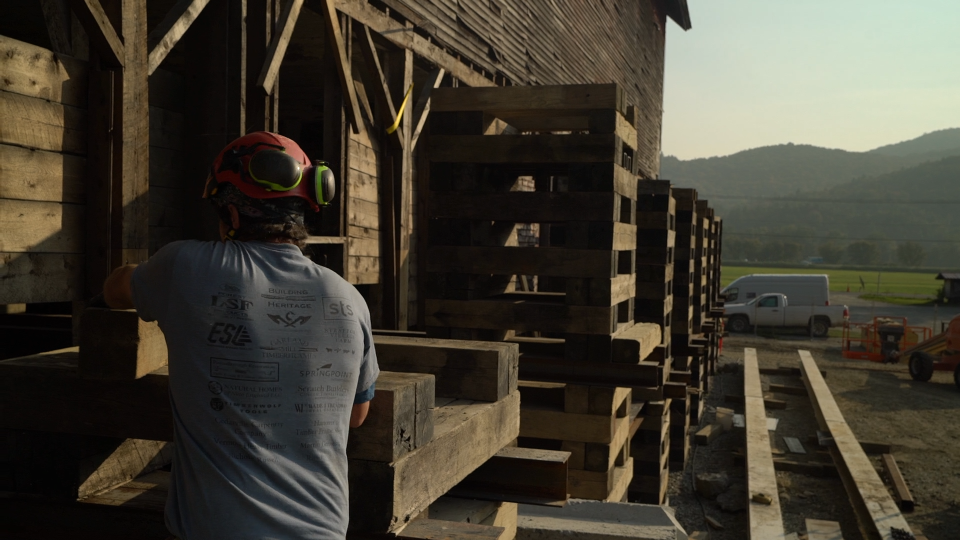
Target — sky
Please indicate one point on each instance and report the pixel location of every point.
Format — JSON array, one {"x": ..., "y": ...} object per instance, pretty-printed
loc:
[{"x": 847, "y": 74}]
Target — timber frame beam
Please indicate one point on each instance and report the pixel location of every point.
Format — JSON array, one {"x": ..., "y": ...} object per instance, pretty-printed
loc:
[
  {"x": 278, "y": 47},
  {"x": 766, "y": 521},
  {"x": 352, "y": 105},
  {"x": 167, "y": 34},
  {"x": 422, "y": 110},
  {"x": 100, "y": 30},
  {"x": 877, "y": 512},
  {"x": 376, "y": 80}
]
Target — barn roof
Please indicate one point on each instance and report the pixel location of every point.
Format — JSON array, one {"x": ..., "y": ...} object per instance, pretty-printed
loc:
[
  {"x": 677, "y": 10},
  {"x": 948, "y": 275}
]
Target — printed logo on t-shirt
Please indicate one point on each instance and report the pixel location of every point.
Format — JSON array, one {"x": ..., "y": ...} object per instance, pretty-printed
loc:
[
  {"x": 216, "y": 404},
  {"x": 289, "y": 319},
  {"x": 337, "y": 308},
  {"x": 229, "y": 335},
  {"x": 229, "y": 303}
]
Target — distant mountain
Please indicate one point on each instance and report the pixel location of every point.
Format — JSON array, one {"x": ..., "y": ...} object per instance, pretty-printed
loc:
[
  {"x": 935, "y": 142},
  {"x": 774, "y": 171},
  {"x": 920, "y": 203}
]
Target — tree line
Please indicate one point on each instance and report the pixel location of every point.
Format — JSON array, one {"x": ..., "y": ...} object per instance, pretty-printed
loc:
[{"x": 858, "y": 252}]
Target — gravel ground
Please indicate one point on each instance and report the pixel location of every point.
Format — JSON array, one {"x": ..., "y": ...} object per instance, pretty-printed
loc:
[{"x": 880, "y": 402}]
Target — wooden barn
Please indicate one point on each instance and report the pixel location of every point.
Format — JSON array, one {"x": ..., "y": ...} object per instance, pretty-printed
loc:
[{"x": 497, "y": 166}]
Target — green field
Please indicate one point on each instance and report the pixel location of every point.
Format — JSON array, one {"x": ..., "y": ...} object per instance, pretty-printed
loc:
[{"x": 924, "y": 283}]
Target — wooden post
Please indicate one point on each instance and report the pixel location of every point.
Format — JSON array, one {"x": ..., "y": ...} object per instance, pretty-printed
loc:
[
  {"x": 261, "y": 107},
  {"x": 400, "y": 77},
  {"x": 215, "y": 116}
]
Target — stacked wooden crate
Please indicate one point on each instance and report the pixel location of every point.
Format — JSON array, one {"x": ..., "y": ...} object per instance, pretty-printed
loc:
[
  {"x": 578, "y": 326},
  {"x": 712, "y": 326},
  {"x": 656, "y": 238}
]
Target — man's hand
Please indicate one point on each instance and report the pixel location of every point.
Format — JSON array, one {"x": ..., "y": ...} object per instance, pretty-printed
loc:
[{"x": 117, "y": 292}]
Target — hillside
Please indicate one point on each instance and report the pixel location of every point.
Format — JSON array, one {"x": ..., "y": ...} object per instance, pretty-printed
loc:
[
  {"x": 919, "y": 203},
  {"x": 773, "y": 171}
]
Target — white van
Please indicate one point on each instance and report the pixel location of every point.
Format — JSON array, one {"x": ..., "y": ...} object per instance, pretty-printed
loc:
[{"x": 800, "y": 289}]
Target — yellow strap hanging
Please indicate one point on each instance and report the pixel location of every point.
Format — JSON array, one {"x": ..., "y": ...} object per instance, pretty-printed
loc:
[{"x": 403, "y": 106}]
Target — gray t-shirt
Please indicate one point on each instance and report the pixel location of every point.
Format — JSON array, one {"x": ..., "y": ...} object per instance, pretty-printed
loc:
[{"x": 268, "y": 351}]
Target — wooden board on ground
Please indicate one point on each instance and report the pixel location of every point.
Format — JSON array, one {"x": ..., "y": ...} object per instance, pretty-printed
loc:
[
  {"x": 794, "y": 445},
  {"x": 765, "y": 519},
  {"x": 876, "y": 511},
  {"x": 818, "y": 529},
  {"x": 466, "y": 435},
  {"x": 900, "y": 489}
]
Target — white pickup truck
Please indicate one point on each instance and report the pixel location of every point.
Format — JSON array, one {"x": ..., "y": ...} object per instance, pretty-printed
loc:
[{"x": 771, "y": 309}]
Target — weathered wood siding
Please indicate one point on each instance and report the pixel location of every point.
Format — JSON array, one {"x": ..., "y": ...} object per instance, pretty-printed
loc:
[
  {"x": 363, "y": 209},
  {"x": 167, "y": 182},
  {"x": 43, "y": 123},
  {"x": 560, "y": 42}
]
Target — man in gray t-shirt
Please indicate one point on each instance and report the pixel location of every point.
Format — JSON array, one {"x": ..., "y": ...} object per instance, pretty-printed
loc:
[{"x": 271, "y": 360}]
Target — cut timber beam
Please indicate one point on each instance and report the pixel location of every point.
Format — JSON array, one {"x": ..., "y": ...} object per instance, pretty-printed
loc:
[
  {"x": 103, "y": 36},
  {"x": 278, "y": 46},
  {"x": 352, "y": 106},
  {"x": 167, "y": 34},
  {"x": 899, "y": 485},
  {"x": 406, "y": 38},
  {"x": 876, "y": 511},
  {"x": 477, "y": 370},
  {"x": 119, "y": 345},
  {"x": 466, "y": 435},
  {"x": 377, "y": 81},
  {"x": 400, "y": 418},
  {"x": 520, "y": 475},
  {"x": 422, "y": 110},
  {"x": 766, "y": 521}
]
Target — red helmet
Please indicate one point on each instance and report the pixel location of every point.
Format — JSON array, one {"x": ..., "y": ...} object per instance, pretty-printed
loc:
[{"x": 264, "y": 165}]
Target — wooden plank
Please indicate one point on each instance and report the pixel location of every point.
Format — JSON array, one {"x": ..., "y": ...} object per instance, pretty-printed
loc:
[
  {"x": 278, "y": 46},
  {"x": 36, "y": 175},
  {"x": 103, "y": 37},
  {"x": 788, "y": 389},
  {"x": 521, "y": 315},
  {"x": 433, "y": 529},
  {"x": 476, "y": 370},
  {"x": 555, "y": 99},
  {"x": 119, "y": 345},
  {"x": 400, "y": 418},
  {"x": 40, "y": 277},
  {"x": 545, "y": 423},
  {"x": 536, "y": 261},
  {"x": 900, "y": 489},
  {"x": 525, "y": 206},
  {"x": 590, "y": 148},
  {"x": 41, "y": 227},
  {"x": 818, "y": 529},
  {"x": 396, "y": 33},
  {"x": 336, "y": 42},
  {"x": 43, "y": 125},
  {"x": 644, "y": 374},
  {"x": 765, "y": 519},
  {"x": 37, "y": 72},
  {"x": 636, "y": 343},
  {"x": 707, "y": 434},
  {"x": 876, "y": 511},
  {"x": 520, "y": 475},
  {"x": 167, "y": 34},
  {"x": 466, "y": 435}
]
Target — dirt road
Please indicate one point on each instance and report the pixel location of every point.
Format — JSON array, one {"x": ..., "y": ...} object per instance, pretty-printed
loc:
[{"x": 881, "y": 403}]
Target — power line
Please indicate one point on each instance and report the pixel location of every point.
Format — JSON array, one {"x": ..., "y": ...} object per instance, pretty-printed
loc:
[
  {"x": 807, "y": 237},
  {"x": 822, "y": 200}
]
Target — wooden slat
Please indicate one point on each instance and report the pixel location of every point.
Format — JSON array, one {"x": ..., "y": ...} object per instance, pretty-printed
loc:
[
  {"x": 278, "y": 45},
  {"x": 521, "y": 475},
  {"x": 41, "y": 227},
  {"x": 36, "y": 175},
  {"x": 37, "y": 72},
  {"x": 525, "y": 206},
  {"x": 644, "y": 374},
  {"x": 167, "y": 34},
  {"x": 600, "y": 148},
  {"x": 536, "y": 261},
  {"x": 526, "y": 98},
  {"x": 43, "y": 125},
  {"x": 40, "y": 277},
  {"x": 766, "y": 521},
  {"x": 520, "y": 315},
  {"x": 876, "y": 511},
  {"x": 103, "y": 36},
  {"x": 900, "y": 488}
]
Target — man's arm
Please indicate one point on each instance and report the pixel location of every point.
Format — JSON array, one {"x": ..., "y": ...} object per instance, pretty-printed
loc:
[
  {"x": 359, "y": 413},
  {"x": 117, "y": 292}
]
